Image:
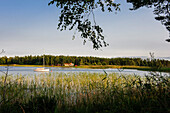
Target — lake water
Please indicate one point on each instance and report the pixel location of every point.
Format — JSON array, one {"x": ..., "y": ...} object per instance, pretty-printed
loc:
[{"x": 30, "y": 70}]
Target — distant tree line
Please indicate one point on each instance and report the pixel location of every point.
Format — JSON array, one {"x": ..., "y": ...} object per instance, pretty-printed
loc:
[{"x": 60, "y": 60}]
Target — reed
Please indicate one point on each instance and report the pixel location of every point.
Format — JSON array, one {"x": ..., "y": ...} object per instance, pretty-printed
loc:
[{"x": 85, "y": 92}]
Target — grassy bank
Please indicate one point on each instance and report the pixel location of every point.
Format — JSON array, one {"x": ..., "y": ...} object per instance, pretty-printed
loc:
[
  {"x": 85, "y": 93},
  {"x": 111, "y": 66},
  {"x": 84, "y": 66}
]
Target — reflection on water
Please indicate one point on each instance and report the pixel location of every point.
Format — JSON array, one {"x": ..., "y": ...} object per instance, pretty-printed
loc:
[{"x": 30, "y": 70}]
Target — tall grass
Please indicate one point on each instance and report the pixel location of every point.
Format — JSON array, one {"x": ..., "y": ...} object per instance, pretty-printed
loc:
[{"x": 85, "y": 92}]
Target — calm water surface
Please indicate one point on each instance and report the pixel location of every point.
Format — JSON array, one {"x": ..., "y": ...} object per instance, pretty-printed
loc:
[{"x": 30, "y": 70}]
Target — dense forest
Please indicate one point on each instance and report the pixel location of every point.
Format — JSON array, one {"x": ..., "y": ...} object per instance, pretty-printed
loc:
[{"x": 60, "y": 60}]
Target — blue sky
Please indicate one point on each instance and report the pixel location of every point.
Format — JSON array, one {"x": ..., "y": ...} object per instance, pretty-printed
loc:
[{"x": 29, "y": 27}]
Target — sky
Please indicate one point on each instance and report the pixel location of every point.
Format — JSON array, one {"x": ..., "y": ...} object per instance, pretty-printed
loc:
[{"x": 29, "y": 27}]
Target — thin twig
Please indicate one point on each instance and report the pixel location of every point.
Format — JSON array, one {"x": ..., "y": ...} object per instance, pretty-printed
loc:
[
  {"x": 22, "y": 108},
  {"x": 4, "y": 92}
]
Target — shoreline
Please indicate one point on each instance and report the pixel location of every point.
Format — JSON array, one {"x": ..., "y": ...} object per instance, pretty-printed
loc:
[
  {"x": 141, "y": 68},
  {"x": 82, "y": 66}
]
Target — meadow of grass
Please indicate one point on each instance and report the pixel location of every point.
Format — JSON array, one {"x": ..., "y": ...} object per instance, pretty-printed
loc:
[{"x": 85, "y": 93}]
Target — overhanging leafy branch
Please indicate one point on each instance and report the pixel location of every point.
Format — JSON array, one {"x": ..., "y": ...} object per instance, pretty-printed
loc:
[
  {"x": 75, "y": 15},
  {"x": 161, "y": 10}
]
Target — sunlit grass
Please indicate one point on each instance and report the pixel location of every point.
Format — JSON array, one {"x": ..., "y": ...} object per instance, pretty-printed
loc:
[{"x": 86, "y": 92}]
